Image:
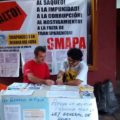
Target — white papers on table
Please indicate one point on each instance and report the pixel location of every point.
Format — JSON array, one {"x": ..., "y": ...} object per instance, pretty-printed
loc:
[
  {"x": 63, "y": 88},
  {"x": 33, "y": 86},
  {"x": 18, "y": 92},
  {"x": 16, "y": 85},
  {"x": 63, "y": 91},
  {"x": 58, "y": 87},
  {"x": 63, "y": 94}
]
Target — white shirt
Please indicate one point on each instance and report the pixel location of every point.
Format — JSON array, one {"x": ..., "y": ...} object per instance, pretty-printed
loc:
[{"x": 81, "y": 69}]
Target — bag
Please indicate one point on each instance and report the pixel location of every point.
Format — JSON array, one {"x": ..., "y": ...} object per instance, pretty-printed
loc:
[{"x": 105, "y": 97}]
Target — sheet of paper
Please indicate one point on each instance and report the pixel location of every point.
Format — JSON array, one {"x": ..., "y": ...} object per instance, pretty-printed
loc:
[
  {"x": 72, "y": 88},
  {"x": 32, "y": 108},
  {"x": 33, "y": 87},
  {"x": 16, "y": 85},
  {"x": 72, "y": 109},
  {"x": 64, "y": 87},
  {"x": 58, "y": 87},
  {"x": 18, "y": 92},
  {"x": 34, "y": 114},
  {"x": 9, "y": 64},
  {"x": 12, "y": 112},
  {"x": 63, "y": 94}
]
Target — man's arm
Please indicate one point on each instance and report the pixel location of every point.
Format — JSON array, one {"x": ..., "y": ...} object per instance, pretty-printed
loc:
[
  {"x": 82, "y": 76},
  {"x": 37, "y": 80},
  {"x": 73, "y": 82},
  {"x": 59, "y": 80}
]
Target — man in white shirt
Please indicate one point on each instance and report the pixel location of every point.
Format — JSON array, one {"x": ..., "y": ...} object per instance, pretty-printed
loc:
[{"x": 74, "y": 70}]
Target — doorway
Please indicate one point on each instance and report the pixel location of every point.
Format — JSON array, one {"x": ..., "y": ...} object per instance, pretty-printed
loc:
[{"x": 118, "y": 46}]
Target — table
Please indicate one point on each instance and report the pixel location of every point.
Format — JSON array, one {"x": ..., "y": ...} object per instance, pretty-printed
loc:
[{"x": 49, "y": 104}]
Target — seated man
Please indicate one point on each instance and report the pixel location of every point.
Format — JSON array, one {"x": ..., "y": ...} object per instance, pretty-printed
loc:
[
  {"x": 36, "y": 70},
  {"x": 74, "y": 70}
]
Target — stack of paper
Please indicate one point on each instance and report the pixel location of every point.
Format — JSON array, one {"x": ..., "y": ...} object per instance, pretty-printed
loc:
[
  {"x": 63, "y": 91},
  {"x": 58, "y": 87},
  {"x": 18, "y": 92},
  {"x": 84, "y": 88},
  {"x": 86, "y": 91},
  {"x": 63, "y": 94},
  {"x": 33, "y": 87},
  {"x": 16, "y": 86}
]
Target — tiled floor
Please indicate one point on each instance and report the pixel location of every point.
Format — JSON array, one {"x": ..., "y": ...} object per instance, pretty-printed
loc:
[
  {"x": 106, "y": 117},
  {"x": 115, "y": 116}
]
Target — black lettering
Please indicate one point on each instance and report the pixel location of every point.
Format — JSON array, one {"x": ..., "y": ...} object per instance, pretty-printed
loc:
[
  {"x": 14, "y": 12},
  {"x": 9, "y": 14},
  {"x": 39, "y": 2},
  {"x": 38, "y": 15},
  {"x": 1, "y": 19},
  {"x": 43, "y": 15},
  {"x": 39, "y": 21},
  {"x": 38, "y": 9},
  {"x": 54, "y": 2},
  {"x": 18, "y": 10},
  {"x": 43, "y": 9},
  {"x": 4, "y": 17}
]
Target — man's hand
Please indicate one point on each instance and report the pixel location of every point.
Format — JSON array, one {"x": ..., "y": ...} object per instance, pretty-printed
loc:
[
  {"x": 58, "y": 82},
  {"x": 74, "y": 82},
  {"x": 36, "y": 80},
  {"x": 49, "y": 82}
]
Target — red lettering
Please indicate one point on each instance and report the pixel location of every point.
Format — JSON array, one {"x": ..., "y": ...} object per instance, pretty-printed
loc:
[
  {"x": 82, "y": 44},
  {"x": 68, "y": 43},
  {"x": 50, "y": 42},
  {"x": 75, "y": 41},
  {"x": 59, "y": 43}
]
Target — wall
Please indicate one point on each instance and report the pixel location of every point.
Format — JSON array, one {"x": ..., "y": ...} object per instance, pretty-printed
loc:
[{"x": 106, "y": 45}]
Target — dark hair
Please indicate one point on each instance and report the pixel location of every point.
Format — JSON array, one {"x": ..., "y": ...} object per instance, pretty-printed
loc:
[
  {"x": 75, "y": 54},
  {"x": 39, "y": 49}
]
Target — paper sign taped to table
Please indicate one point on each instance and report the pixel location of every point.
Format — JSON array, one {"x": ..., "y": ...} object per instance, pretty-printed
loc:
[
  {"x": 34, "y": 114},
  {"x": 63, "y": 94},
  {"x": 11, "y": 112},
  {"x": 24, "y": 108},
  {"x": 70, "y": 109}
]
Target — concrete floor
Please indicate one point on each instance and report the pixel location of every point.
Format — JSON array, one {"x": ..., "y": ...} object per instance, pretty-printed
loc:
[{"x": 116, "y": 115}]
